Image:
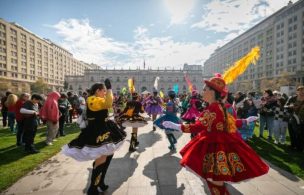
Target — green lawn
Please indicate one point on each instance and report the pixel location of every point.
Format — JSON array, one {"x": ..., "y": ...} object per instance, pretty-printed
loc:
[
  {"x": 15, "y": 163},
  {"x": 279, "y": 155}
]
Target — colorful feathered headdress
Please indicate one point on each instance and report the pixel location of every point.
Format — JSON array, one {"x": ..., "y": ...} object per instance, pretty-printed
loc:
[{"x": 240, "y": 66}]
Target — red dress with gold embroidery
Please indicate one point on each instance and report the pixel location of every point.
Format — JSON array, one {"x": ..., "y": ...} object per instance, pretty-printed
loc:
[{"x": 218, "y": 154}]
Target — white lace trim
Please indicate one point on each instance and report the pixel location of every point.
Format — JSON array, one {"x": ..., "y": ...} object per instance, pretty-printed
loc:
[{"x": 88, "y": 153}]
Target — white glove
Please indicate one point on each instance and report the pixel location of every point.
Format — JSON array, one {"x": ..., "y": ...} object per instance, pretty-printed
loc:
[
  {"x": 251, "y": 119},
  {"x": 171, "y": 125}
]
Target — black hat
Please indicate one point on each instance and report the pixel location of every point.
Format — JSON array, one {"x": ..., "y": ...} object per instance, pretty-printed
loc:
[
  {"x": 134, "y": 95},
  {"x": 171, "y": 94}
]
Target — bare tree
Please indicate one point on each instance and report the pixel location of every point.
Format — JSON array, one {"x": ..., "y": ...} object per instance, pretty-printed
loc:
[{"x": 39, "y": 86}]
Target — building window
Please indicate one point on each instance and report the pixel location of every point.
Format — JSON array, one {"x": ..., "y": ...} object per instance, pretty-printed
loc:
[
  {"x": 2, "y": 50},
  {"x": 2, "y": 26},
  {"x": 289, "y": 29},
  {"x": 13, "y": 32},
  {"x": 23, "y": 37},
  {"x": 289, "y": 20},
  {"x": 2, "y": 34}
]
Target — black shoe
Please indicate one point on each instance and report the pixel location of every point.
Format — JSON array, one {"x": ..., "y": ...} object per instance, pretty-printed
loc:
[
  {"x": 172, "y": 148},
  {"x": 34, "y": 151},
  {"x": 269, "y": 139},
  {"x": 62, "y": 135},
  {"x": 136, "y": 143},
  {"x": 31, "y": 150},
  {"x": 102, "y": 188},
  {"x": 131, "y": 148},
  {"x": 92, "y": 190}
]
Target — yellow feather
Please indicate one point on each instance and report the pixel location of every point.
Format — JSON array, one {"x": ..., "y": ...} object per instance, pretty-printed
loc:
[
  {"x": 131, "y": 85},
  {"x": 161, "y": 94},
  {"x": 240, "y": 66}
]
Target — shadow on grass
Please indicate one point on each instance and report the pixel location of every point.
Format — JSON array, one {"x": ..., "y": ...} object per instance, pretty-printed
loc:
[
  {"x": 14, "y": 153},
  {"x": 280, "y": 156},
  {"x": 9, "y": 148}
]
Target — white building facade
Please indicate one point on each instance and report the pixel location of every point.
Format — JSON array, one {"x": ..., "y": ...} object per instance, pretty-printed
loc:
[
  {"x": 144, "y": 79},
  {"x": 281, "y": 39}
]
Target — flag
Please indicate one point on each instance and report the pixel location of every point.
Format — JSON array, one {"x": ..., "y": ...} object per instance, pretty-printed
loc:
[
  {"x": 175, "y": 88},
  {"x": 123, "y": 91},
  {"x": 188, "y": 83},
  {"x": 156, "y": 83},
  {"x": 131, "y": 85},
  {"x": 161, "y": 94}
]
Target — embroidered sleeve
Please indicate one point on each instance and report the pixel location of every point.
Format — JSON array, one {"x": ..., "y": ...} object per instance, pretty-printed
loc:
[{"x": 203, "y": 123}]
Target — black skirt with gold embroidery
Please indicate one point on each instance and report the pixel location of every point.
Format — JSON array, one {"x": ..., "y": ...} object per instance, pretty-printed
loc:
[
  {"x": 131, "y": 121},
  {"x": 97, "y": 139}
]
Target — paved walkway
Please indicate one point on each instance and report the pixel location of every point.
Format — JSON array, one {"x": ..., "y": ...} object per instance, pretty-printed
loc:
[{"x": 150, "y": 170}]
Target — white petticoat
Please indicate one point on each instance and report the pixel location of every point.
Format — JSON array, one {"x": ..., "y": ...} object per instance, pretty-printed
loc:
[
  {"x": 135, "y": 124},
  {"x": 89, "y": 153}
]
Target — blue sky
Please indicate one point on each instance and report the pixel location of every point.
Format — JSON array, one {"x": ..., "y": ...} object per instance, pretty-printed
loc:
[{"x": 123, "y": 33}]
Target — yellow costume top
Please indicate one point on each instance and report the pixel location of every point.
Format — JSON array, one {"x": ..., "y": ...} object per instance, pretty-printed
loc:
[{"x": 99, "y": 103}]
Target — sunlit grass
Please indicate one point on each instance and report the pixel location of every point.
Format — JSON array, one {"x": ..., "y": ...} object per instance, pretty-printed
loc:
[{"x": 15, "y": 163}]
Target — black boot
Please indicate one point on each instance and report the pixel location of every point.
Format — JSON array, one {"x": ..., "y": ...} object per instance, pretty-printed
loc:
[
  {"x": 102, "y": 186},
  {"x": 133, "y": 142},
  {"x": 171, "y": 141},
  {"x": 95, "y": 179},
  {"x": 136, "y": 142}
]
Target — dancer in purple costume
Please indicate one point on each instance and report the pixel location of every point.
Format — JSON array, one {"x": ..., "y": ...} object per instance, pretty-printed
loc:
[{"x": 153, "y": 106}]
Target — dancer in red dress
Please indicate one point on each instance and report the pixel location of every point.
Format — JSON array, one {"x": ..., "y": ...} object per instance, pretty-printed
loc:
[{"x": 218, "y": 153}]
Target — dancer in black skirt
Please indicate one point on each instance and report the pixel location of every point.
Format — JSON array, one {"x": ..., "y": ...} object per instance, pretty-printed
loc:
[
  {"x": 100, "y": 139},
  {"x": 130, "y": 117}
]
